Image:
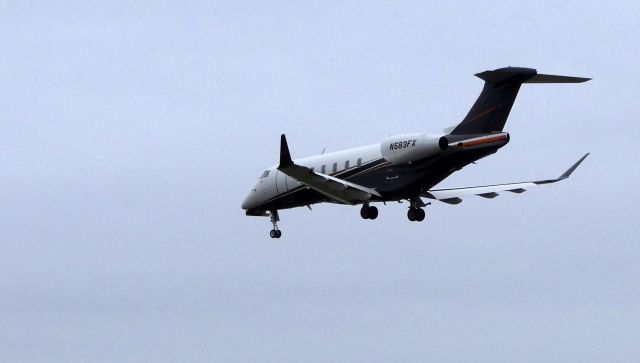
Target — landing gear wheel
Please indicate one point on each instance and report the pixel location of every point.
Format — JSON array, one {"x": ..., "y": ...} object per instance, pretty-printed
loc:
[
  {"x": 421, "y": 215},
  {"x": 373, "y": 212},
  {"x": 412, "y": 213},
  {"x": 275, "y": 233},
  {"x": 368, "y": 212},
  {"x": 364, "y": 212}
]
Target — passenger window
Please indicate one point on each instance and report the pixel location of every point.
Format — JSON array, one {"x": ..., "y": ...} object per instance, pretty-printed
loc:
[
  {"x": 323, "y": 169},
  {"x": 359, "y": 163},
  {"x": 335, "y": 167},
  {"x": 346, "y": 164},
  {"x": 264, "y": 174}
]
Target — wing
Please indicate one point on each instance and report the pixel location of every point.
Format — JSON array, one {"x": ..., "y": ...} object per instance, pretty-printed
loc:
[
  {"x": 338, "y": 190},
  {"x": 455, "y": 195}
]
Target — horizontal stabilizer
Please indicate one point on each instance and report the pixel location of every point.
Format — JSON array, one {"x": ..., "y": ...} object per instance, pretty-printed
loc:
[
  {"x": 512, "y": 74},
  {"x": 525, "y": 75},
  {"x": 550, "y": 78}
]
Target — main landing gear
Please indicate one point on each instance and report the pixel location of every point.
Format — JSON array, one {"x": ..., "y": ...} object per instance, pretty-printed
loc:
[
  {"x": 275, "y": 232},
  {"x": 368, "y": 212},
  {"x": 415, "y": 212}
]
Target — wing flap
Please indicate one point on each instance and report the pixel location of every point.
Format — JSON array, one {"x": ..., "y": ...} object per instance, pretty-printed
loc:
[
  {"x": 485, "y": 191},
  {"x": 455, "y": 195}
]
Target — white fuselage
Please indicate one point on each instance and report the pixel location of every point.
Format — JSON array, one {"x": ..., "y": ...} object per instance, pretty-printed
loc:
[
  {"x": 397, "y": 149},
  {"x": 273, "y": 183}
]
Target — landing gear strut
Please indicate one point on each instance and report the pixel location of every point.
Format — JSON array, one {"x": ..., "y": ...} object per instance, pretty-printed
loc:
[
  {"x": 368, "y": 212},
  {"x": 275, "y": 232}
]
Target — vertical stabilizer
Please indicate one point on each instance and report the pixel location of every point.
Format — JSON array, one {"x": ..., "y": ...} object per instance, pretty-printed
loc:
[{"x": 490, "y": 111}]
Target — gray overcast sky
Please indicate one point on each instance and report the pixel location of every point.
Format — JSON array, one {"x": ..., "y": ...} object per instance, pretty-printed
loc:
[{"x": 130, "y": 133}]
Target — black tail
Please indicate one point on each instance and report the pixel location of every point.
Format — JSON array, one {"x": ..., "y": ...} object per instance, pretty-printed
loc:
[{"x": 501, "y": 86}]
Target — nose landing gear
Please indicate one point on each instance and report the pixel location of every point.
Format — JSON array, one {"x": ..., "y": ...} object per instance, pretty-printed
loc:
[{"x": 275, "y": 232}]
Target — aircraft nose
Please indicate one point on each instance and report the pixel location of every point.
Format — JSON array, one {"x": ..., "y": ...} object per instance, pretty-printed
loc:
[{"x": 249, "y": 201}]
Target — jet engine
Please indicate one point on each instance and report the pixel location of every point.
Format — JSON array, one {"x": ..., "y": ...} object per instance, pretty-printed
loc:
[
  {"x": 467, "y": 142},
  {"x": 406, "y": 148}
]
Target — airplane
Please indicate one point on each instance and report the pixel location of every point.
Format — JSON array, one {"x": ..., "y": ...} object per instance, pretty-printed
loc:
[{"x": 403, "y": 167}]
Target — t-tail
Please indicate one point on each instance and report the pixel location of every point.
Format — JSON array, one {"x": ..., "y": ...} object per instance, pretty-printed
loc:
[{"x": 490, "y": 111}]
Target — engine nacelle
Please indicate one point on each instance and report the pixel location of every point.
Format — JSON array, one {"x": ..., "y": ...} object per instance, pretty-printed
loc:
[
  {"x": 467, "y": 142},
  {"x": 406, "y": 148}
]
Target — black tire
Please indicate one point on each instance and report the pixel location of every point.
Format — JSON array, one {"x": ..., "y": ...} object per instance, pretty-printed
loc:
[
  {"x": 364, "y": 212},
  {"x": 411, "y": 214},
  {"x": 420, "y": 215},
  {"x": 373, "y": 212},
  {"x": 278, "y": 233},
  {"x": 273, "y": 233}
]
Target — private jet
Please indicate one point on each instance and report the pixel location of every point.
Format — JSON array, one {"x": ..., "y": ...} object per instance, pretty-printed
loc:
[{"x": 403, "y": 167}]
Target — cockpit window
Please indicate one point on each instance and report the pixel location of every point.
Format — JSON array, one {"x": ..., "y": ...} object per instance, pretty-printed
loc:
[{"x": 265, "y": 174}]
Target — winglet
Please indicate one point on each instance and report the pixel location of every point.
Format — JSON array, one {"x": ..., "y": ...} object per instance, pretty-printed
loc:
[
  {"x": 567, "y": 173},
  {"x": 285, "y": 156}
]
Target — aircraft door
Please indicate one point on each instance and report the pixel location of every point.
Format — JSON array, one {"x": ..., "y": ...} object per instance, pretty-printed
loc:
[{"x": 281, "y": 182}]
